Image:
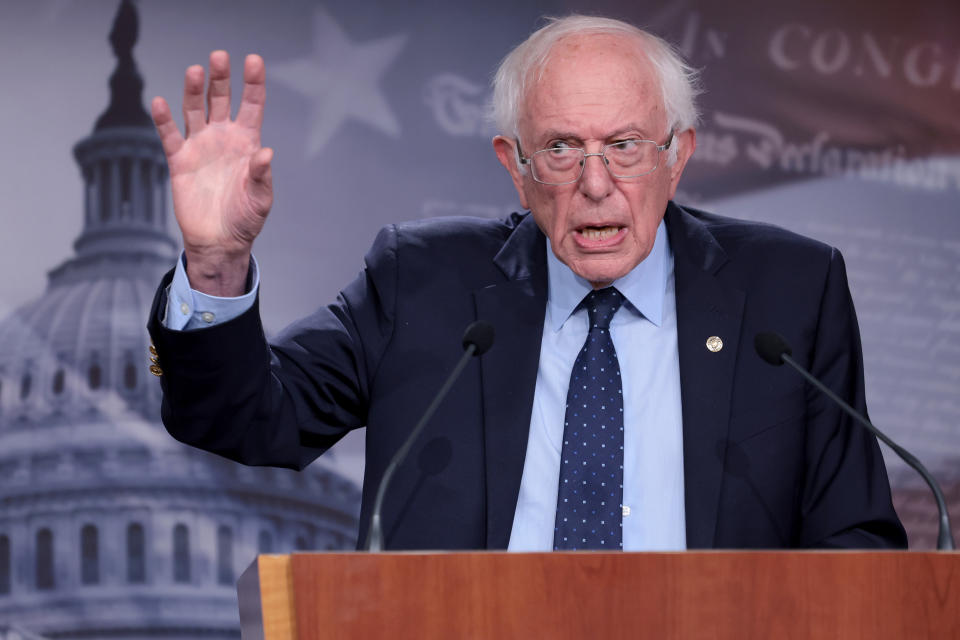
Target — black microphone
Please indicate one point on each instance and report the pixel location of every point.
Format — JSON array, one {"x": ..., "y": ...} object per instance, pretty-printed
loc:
[
  {"x": 775, "y": 350},
  {"x": 477, "y": 340},
  {"x": 478, "y": 335}
]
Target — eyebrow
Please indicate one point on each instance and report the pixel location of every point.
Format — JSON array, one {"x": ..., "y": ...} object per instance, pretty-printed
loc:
[{"x": 557, "y": 134}]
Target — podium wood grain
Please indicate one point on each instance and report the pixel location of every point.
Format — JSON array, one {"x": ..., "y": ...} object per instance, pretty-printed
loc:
[{"x": 719, "y": 595}]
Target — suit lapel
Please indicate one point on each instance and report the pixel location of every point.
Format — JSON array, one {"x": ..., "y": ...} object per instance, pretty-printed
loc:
[
  {"x": 706, "y": 307},
  {"x": 515, "y": 308}
]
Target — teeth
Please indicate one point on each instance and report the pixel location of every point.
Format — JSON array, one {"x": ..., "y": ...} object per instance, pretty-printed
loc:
[{"x": 599, "y": 233}]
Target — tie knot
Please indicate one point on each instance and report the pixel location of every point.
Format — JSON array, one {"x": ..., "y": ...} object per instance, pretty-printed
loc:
[{"x": 601, "y": 304}]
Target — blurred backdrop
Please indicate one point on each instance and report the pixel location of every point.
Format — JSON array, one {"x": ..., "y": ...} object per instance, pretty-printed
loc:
[{"x": 822, "y": 117}]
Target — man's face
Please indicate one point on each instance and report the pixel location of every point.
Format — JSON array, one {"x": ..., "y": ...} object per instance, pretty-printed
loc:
[{"x": 596, "y": 90}]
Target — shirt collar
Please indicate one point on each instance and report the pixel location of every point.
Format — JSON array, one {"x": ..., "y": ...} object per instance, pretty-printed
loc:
[{"x": 643, "y": 287}]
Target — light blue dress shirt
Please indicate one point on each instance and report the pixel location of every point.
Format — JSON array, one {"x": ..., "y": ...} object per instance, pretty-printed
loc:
[
  {"x": 644, "y": 332},
  {"x": 190, "y": 309}
]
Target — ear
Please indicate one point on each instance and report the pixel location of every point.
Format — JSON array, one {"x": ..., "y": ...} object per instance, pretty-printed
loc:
[
  {"x": 509, "y": 157},
  {"x": 686, "y": 142}
]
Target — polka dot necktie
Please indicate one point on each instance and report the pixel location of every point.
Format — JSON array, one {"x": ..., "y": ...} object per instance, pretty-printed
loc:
[{"x": 590, "y": 499}]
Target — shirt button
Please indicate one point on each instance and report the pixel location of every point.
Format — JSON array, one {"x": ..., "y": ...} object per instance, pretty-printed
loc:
[
  {"x": 626, "y": 510},
  {"x": 207, "y": 317},
  {"x": 184, "y": 308}
]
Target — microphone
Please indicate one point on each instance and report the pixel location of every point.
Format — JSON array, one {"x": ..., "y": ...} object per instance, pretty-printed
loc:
[
  {"x": 477, "y": 340},
  {"x": 478, "y": 335},
  {"x": 775, "y": 350},
  {"x": 771, "y": 347}
]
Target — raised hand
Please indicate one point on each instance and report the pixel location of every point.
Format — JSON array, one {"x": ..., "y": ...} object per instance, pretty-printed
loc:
[{"x": 219, "y": 173}]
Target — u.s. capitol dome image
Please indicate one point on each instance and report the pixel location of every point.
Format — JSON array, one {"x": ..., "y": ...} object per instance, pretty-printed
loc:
[{"x": 108, "y": 526}]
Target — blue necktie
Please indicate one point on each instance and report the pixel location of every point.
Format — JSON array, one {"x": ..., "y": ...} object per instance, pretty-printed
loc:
[{"x": 590, "y": 498}]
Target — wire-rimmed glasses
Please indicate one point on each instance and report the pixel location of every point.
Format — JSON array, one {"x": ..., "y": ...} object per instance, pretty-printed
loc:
[{"x": 624, "y": 160}]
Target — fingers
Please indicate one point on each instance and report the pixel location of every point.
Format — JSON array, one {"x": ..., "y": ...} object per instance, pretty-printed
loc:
[
  {"x": 218, "y": 93},
  {"x": 194, "y": 118},
  {"x": 250, "y": 113},
  {"x": 166, "y": 128}
]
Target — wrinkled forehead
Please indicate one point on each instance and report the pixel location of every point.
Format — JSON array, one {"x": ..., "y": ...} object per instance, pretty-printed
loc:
[{"x": 594, "y": 80}]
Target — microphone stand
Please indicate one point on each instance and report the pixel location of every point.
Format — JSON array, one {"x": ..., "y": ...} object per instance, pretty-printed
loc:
[
  {"x": 944, "y": 537},
  {"x": 477, "y": 339}
]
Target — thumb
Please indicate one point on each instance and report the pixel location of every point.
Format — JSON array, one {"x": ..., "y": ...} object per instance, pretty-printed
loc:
[{"x": 260, "y": 165}]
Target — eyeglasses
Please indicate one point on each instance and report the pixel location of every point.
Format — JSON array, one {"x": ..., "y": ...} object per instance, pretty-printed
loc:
[{"x": 624, "y": 160}]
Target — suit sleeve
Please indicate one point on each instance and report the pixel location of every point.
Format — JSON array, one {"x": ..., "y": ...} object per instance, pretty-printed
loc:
[
  {"x": 846, "y": 500},
  {"x": 227, "y": 391}
]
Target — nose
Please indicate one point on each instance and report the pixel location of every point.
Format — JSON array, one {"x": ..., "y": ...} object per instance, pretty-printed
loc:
[{"x": 596, "y": 182}]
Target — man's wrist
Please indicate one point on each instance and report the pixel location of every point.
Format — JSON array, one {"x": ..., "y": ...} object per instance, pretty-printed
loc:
[
  {"x": 189, "y": 309},
  {"x": 223, "y": 276}
]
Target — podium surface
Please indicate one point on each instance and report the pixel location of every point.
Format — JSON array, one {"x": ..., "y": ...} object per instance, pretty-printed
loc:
[{"x": 701, "y": 594}]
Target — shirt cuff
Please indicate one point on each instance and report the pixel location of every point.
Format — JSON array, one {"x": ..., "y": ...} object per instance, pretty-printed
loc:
[{"x": 188, "y": 308}]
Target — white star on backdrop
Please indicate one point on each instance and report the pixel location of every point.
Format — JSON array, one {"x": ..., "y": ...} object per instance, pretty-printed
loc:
[{"x": 342, "y": 79}]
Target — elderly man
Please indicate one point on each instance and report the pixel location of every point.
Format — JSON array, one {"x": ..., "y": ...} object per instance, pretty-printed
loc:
[{"x": 622, "y": 406}]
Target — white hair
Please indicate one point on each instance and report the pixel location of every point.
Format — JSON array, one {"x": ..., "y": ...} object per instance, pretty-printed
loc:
[{"x": 679, "y": 82}]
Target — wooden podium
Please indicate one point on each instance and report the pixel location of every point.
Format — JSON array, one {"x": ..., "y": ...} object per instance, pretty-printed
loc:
[{"x": 722, "y": 594}]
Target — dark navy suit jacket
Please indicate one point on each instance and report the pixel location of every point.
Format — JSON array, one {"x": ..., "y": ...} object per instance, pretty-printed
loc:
[{"x": 768, "y": 462}]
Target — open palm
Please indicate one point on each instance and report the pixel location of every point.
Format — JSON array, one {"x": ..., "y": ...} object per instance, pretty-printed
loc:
[{"x": 219, "y": 173}]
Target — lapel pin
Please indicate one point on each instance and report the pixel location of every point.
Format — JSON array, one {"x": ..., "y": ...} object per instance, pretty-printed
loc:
[{"x": 714, "y": 344}]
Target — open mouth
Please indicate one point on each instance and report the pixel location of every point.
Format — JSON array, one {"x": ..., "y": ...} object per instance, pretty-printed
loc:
[{"x": 599, "y": 234}]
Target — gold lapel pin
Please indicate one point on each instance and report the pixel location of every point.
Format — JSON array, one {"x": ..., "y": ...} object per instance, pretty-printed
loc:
[{"x": 714, "y": 344}]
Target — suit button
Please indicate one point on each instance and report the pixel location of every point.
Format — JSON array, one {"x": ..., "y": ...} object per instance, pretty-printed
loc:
[{"x": 156, "y": 370}]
